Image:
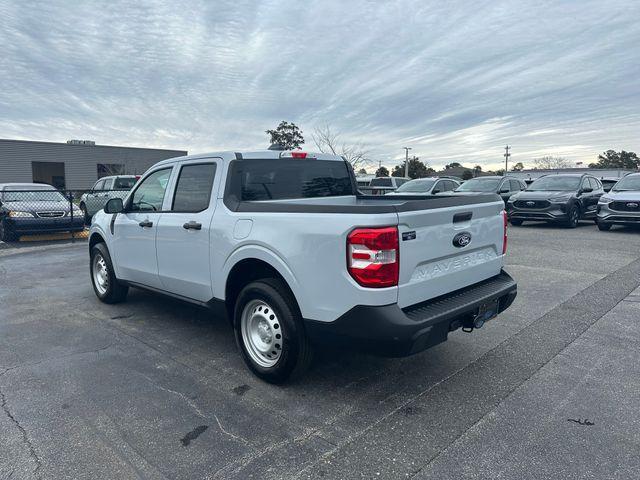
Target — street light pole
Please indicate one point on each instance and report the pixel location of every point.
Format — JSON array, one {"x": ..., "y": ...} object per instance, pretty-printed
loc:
[
  {"x": 406, "y": 162},
  {"x": 506, "y": 159}
]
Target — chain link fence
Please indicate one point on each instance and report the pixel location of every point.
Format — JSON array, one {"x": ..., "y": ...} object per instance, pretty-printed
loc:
[{"x": 44, "y": 215}]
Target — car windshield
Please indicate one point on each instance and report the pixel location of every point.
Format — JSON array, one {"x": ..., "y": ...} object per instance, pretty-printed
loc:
[
  {"x": 381, "y": 182},
  {"x": 37, "y": 195},
  {"x": 479, "y": 185},
  {"x": 416, "y": 186},
  {"x": 555, "y": 184},
  {"x": 627, "y": 183},
  {"x": 125, "y": 183}
]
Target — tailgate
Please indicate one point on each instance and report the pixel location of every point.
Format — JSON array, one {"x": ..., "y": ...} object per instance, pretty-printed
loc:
[{"x": 435, "y": 258}]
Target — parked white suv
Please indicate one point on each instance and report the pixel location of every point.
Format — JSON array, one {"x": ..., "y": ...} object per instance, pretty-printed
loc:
[{"x": 295, "y": 256}]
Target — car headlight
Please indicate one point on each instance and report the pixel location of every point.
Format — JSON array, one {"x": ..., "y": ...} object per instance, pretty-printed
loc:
[
  {"x": 18, "y": 214},
  {"x": 604, "y": 199},
  {"x": 76, "y": 212},
  {"x": 561, "y": 199}
]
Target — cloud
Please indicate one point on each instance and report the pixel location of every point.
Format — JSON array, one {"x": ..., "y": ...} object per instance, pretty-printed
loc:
[{"x": 456, "y": 81}]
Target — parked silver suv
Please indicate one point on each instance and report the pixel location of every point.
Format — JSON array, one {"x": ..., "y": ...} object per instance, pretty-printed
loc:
[
  {"x": 621, "y": 205},
  {"x": 102, "y": 191}
]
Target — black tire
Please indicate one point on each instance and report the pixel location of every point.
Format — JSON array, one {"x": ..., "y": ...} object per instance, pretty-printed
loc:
[
  {"x": 604, "y": 227},
  {"x": 573, "y": 217},
  {"x": 515, "y": 221},
  {"x": 114, "y": 291},
  {"x": 87, "y": 218},
  {"x": 295, "y": 350},
  {"x": 7, "y": 234}
]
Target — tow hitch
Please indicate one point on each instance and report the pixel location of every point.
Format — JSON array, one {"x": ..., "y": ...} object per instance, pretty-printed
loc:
[{"x": 485, "y": 313}]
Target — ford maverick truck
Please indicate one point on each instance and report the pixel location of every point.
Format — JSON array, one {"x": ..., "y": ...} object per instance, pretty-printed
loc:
[{"x": 285, "y": 245}]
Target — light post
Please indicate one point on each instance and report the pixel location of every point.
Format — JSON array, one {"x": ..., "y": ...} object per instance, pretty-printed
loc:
[{"x": 406, "y": 162}]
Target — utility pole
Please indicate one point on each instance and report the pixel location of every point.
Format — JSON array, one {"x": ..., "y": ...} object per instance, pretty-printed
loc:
[
  {"x": 506, "y": 158},
  {"x": 406, "y": 161}
]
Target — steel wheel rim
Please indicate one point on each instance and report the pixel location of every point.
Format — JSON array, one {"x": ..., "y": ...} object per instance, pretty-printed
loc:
[
  {"x": 261, "y": 333},
  {"x": 574, "y": 216},
  {"x": 100, "y": 274}
]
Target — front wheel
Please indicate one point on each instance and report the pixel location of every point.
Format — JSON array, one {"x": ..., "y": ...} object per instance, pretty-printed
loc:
[
  {"x": 85, "y": 214},
  {"x": 269, "y": 331},
  {"x": 105, "y": 284},
  {"x": 604, "y": 227},
  {"x": 6, "y": 233},
  {"x": 573, "y": 217}
]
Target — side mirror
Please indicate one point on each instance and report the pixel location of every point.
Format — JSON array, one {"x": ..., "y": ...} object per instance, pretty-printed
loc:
[
  {"x": 504, "y": 190},
  {"x": 433, "y": 192},
  {"x": 586, "y": 190},
  {"x": 114, "y": 205}
]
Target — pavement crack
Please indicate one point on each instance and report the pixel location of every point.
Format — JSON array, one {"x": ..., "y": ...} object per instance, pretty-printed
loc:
[
  {"x": 189, "y": 402},
  {"x": 236, "y": 437},
  {"x": 49, "y": 359},
  {"x": 23, "y": 433}
]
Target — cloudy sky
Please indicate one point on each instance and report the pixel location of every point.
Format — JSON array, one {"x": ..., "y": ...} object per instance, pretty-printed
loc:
[{"x": 454, "y": 80}]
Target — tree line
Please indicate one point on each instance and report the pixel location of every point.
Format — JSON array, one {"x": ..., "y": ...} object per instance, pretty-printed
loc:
[{"x": 287, "y": 135}]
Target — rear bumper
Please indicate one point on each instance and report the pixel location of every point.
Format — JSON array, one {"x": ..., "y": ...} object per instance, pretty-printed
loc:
[
  {"x": 394, "y": 332},
  {"x": 28, "y": 226}
]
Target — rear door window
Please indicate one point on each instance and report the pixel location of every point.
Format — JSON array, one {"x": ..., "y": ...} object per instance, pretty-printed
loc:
[{"x": 193, "y": 189}]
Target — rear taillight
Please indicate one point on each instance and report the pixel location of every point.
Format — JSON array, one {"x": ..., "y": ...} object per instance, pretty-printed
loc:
[
  {"x": 373, "y": 256},
  {"x": 504, "y": 237}
]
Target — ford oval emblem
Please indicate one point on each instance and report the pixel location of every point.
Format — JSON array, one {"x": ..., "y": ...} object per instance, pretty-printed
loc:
[
  {"x": 462, "y": 239},
  {"x": 530, "y": 203},
  {"x": 632, "y": 205}
]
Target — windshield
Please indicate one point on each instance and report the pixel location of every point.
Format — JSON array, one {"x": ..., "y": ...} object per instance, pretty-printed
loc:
[
  {"x": 479, "y": 185},
  {"x": 416, "y": 186},
  {"x": 125, "y": 183},
  {"x": 627, "y": 183},
  {"x": 555, "y": 184},
  {"x": 381, "y": 182},
  {"x": 33, "y": 196}
]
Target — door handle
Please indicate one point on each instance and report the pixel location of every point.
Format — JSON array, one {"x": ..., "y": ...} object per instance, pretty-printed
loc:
[
  {"x": 192, "y": 225},
  {"x": 146, "y": 223}
]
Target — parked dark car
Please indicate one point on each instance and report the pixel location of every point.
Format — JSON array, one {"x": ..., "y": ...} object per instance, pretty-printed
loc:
[
  {"x": 503, "y": 186},
  {"x": 563, "y": 198},
  {"x": 33, "y": 208}
]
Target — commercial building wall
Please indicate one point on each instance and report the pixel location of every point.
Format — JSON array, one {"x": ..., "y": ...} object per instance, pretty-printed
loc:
[{"x": 17, "y": 158}]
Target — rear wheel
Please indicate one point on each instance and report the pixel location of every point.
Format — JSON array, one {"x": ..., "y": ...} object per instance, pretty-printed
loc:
[
  {"x": 105, "y": 284},
  {"x": 269, "y": 331},
  {"x": 515, "y": 221},
  {"x": 573, "y": 217},
  {"x": 6, "y": 233},
  {"x": 604, "y": 226}
]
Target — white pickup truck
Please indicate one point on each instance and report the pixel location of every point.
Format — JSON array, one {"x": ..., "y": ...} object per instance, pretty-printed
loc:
[{"x": 296, "y": 257}]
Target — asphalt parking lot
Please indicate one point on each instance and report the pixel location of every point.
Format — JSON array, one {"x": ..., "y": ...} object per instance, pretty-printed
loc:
[{"x": 154, "y": 388}]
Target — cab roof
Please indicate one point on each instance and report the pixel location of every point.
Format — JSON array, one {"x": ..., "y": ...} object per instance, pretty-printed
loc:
[
  {"x": 253, "y": 155},
  {"x": 27, "y": 186}
]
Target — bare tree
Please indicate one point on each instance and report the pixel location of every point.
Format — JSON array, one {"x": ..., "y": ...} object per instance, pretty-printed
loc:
[
  {"x": 328, "y": 141},
  {"x": 549, "y": 162}
]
